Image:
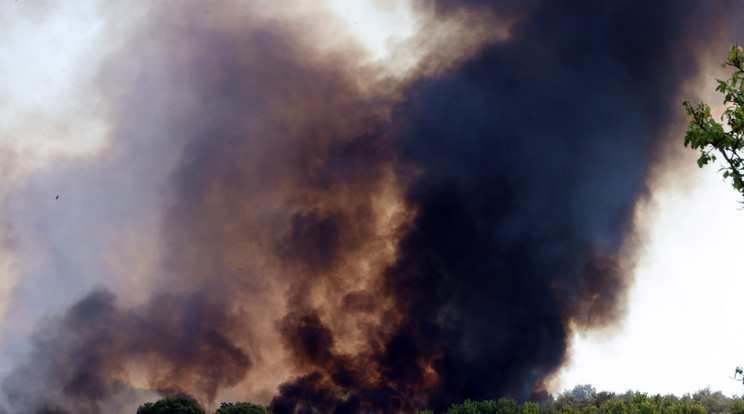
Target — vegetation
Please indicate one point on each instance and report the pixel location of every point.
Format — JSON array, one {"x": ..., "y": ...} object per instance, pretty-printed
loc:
[
  {"x": 582, "y": 399},
  {"x": 725, "y": 138},
  {"x": 188, "y": 405},
  {"x": 241, "y": 408},
  {"x": 172, "y": 405}
]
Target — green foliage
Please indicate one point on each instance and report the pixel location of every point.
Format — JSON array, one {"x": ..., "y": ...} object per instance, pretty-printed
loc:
[
  {"x": 632, "y": 402},
  {"x": 689, "y": 407},
  {"x": 613, "y": 407},
  {"x": 567, "y": 409},
  {"x": 714, "y": 402},
  {"x": 242, "y": 408},
  {"x": 638, "y": 398},
  {"x": 737, "y": 407},
  {"x": 584, "y": 391},
  {"x": 506, "y": 406},
  {"x": 473, "y": 407},
  {"x": 664, "y": 404},
  {"x": 172, "y": 405},
  {"x": 590, "y": 409},
  {"x": 566, "y": 401},
  {"x": 710, "y": 136},
  {"x": 643, "y": 407},
  {"x": 578, "y": 398},
  {"x": 502, "y": 406},
  {"x": 548, "y": 410},
  {"x": 531, "y": 408},
  {"x": 602, "y": 397}
]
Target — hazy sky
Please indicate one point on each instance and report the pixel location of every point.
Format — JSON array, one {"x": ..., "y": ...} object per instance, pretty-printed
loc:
[{"x": 683, "y": 330}]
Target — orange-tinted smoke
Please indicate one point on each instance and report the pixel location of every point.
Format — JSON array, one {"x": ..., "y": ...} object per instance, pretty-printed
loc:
[{"x": 339, "y": 239}]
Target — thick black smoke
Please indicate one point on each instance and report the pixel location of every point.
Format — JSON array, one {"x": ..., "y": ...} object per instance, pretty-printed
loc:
[
  {"x": 525, "y": 166},
  {"x": 347, "y": 243},
  {"x": 532, "y": 157}
]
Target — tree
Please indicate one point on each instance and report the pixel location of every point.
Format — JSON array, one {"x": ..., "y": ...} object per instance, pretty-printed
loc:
[
  {"x": 172, "y": 405},
  {"x": 710, "y": 136},
  {"x": 689, "y": 407},
  {"x": 614, "y": 407},
  {"x": 507, "y": 406},
  {"x": 475, "y": 407},
  {"x": 714, "y": 402},
  {"x": 737, "y": 407},
  {"x": 584, "y": 391},
  {"x": 578, "y": 397},
  {"x": 602, "y": 397},
  {"x": 531, "y": 408},
  {"x": 665, "y": 403},
  {"x": 241, "y": 408},
  {"x": 643, "y": 407},
  {"x": 565, "y": 400}
]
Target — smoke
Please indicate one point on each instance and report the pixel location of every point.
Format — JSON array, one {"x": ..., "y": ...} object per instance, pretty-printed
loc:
[
  {"x": 85, "y": 355},
  {"x": 278, "y": 219}
]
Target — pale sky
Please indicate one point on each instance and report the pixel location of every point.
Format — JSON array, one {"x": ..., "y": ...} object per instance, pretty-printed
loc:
[{"x": 683, "y": 331}]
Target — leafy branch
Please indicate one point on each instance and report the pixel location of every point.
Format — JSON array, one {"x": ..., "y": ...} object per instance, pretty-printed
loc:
[{"x": 710, "y": 136}]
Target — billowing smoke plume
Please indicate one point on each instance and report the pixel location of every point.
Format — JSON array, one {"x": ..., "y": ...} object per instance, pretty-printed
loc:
[{"x": 334, "y": 238}]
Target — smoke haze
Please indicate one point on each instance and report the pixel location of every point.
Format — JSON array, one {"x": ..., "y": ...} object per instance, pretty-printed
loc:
[{"x": 277, "y": 217}]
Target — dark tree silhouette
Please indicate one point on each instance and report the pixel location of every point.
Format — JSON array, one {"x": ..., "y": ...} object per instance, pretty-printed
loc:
[
  {"x": 172, "y": 405},
  {"x": 241, "y": 408}
]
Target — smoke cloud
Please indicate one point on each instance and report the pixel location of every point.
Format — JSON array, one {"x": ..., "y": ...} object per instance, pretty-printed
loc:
[{"x": 278, "y": 219}]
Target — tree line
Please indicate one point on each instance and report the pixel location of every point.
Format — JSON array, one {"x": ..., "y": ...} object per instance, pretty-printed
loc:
[
  {"x": 186, "y": 405},
  {"x": 582, "y": 399}
]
